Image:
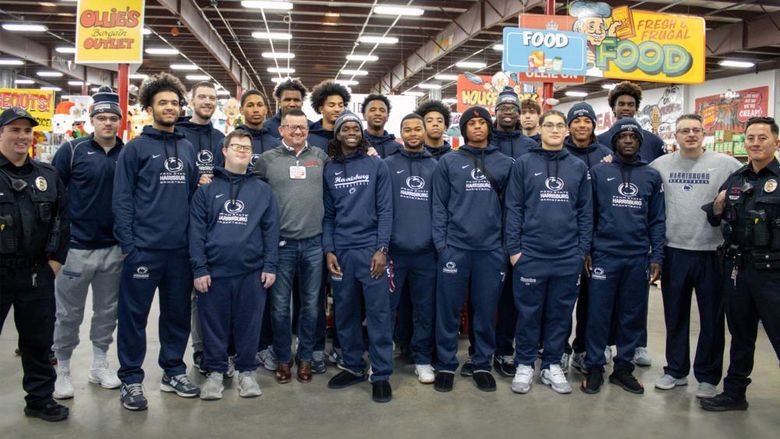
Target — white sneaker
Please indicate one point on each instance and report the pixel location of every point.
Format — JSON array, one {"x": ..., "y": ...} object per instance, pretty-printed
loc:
[
  {"x": 213, "y": 387},
  {"x": 565, "y": 362},
  {"x": 706, "y": 390},
  {"x": 642, "y": 357},
  {"x": 425, "y": 373},
  {"x": 555, "y": 378},
  {"x": 63, "y": 387},
  {"x": 247, "y": 385},
  {"x": 524, "y": 376},
  {"x": 668, "y": 382},
  {"x": 101, "y": 374},
  {"x": 608, "y": 353}
]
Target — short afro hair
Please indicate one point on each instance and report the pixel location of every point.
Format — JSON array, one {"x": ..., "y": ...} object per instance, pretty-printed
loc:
[
  {"x": 290, "y": 84},
  {"x": 328, "y": 88},
  {"x": 159, "y": 83},
  {"x": 625, "y": 88},
  {"x": 370, "y": 98},
  {"x": 437, "y": 106}
]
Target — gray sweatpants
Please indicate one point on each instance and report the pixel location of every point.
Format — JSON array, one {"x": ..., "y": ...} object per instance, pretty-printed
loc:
[{"x": 102, "y": 268}]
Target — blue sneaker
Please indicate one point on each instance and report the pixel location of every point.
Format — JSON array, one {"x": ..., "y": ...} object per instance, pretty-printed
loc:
[
  {"x": 180, "y": 385},
  {"x": 318, "y": 365},
  {"x": 132, "y": 397}
]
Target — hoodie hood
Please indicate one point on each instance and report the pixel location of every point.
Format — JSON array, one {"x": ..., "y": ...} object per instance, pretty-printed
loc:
[
  {"x": 161, "y": 135},
  {"x": 186, "y": 122},
  {"x": 425, "y": 154},
  {"x": 489, "y": 149},
  {"x": 576, "y": 150},
  {"x": 440, "y": 151},
  {"x": 549, "y": 155},
  {"x": 254, "y": 132}
]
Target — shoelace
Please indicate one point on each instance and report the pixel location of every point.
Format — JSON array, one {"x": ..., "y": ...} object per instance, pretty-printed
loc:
[
  {"x": 556, "y": 374},
  {"x": 525, "y": 372},
  {"x": 135, "y": 390}
]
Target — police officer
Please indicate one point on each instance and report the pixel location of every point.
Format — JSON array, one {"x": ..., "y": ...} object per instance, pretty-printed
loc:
[
  {"x": 748, "y": 210},
  {"x": 33, "y": 247}
]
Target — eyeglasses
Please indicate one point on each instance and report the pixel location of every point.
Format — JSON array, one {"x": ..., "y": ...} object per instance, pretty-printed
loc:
[
  {"x": 511, "y": 109},
  {"x": 687, "y": 131},
  {"x": 295, "y": 128},
  {"x": 237, "y": 147},
  {"x": 112, "y": 119},
  {"x": 554, "y": 126}
]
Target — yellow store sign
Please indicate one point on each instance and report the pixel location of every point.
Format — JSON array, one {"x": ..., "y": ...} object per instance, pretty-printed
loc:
[
  {"x": 110, "y": 32},
  {"x": 39, "y": 103}
]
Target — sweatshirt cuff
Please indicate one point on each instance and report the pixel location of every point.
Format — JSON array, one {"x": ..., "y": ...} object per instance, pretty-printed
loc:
[
  {"x": 713, "y": 219},
  {"x": 200, "y": 272},
  {"x": 269, "y": 268},
  {"x": 127, "y": 249}
]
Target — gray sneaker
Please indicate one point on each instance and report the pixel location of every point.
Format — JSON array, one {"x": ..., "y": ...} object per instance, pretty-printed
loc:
[
  {"x": 706, "y": 390},
  {"x": 668, "y": 382},
  {"x": 247, "y": 385},
  {"x": 578, "y": 362},
  {"x": 132, "y": 397},
  {"x": 180, "y": 385},
  {"x": 213, "y": 387},
  {"x": 642, "y": 357},
  {"x": 565, "y": 362},
  {"x": 267, "y": 358},
  {"x": 554, "y": 377}
]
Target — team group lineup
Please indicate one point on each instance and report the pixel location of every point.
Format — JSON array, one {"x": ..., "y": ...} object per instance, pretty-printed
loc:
[{"x": 533, "y": 219}]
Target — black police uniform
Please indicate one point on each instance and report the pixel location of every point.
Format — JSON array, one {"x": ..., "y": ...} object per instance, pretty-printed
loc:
[
  {"x": 34, "y": 228},
  {"x": 751, "y": 227}
]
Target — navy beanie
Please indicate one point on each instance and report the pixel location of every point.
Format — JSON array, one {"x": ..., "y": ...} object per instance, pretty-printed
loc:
[
  {"x": 581, "y": 109},
  {"x": 105, "y": 101},
  {"x": 472, "y": 113},
  {"x": 626, "y": 125},
  {"x": 508, "y": 96}
]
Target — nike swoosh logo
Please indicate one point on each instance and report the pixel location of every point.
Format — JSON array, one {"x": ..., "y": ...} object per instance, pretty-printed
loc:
[
  {"x": 398, "y": 172},
  {"x": 156, "y": 155},
  {"x": 536, "y": 174},
  {"x": 91, "y": 152},
  {"x": 220, "y": 195},
  {"x": 611, "y": 178},
  {"x": 465, "y": 166},
  {"x": 711, "y": 169},
  {"x": 339, "y": 173}
]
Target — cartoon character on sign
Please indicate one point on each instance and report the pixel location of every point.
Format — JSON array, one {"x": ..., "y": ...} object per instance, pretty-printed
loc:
[
  {"x": 592, "y": 21},
  {"x": 231, "y": 113}
]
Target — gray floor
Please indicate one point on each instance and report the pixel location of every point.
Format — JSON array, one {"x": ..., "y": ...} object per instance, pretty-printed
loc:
[{"x": 311, "y": 410}]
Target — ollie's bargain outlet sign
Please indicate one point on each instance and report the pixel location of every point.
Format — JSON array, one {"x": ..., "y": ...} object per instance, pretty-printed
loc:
[{"x": 110, "y": 31}]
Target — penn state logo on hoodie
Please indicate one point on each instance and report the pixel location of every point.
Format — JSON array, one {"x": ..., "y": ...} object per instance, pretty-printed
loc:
[{"x": 174, "y": 171}]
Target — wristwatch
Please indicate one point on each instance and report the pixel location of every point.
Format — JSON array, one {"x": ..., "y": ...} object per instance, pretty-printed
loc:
[{"x": 382, "y": 249}]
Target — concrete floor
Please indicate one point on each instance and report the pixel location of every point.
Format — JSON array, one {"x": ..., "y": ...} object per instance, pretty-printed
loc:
[{"x": 311, "y": 410}]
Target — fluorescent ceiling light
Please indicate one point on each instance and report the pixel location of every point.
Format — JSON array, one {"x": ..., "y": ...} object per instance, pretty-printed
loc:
[
  {"x": 354, "y": 72},
  {"x": 429, "y": 86},
  {"x": 471, "y": 65},
  {"x": 281, "y": 70},
  {"x": 498, "y": 47},
  {"x": 190, "y": 67},
  {"x": 446, "y": 77},
  {"x": 11, "y": 62},
  {"x": 146, "y": 31},
  {"x": 378, "y": 40},
  {"x": 161, "y": 51},
  {"x": 95, "y": 89},
  {"x": 65, "y": 49},
  {"x": 24, "y": 81},
  {"x": 223, "y": 92},
  {"x": 398, "y": 10},
  {"x": 737, "y": 63},
  {"x": 19, "y": 27},
  {"x": 347, "y": 82},
  {"x": 198, "y": 77},
  {"x": 576, "y": 94},
  {"x": 450, "y": 101},
  {"x": 278, "y": 55},
  {"x": 608, "y": 86},
  {"x": 51, "y": 88},
  {"x": 413, "y": 93},
  {"x": 272, "y": 35},
  {"x": 75, "y": 82},
  {"x": 362, "y": 58},
  {"x": 49, "y": 74},
  {"x": 332, "y": 14},
  {"x": 278, "y": 79},
  {"x": 280, "y": 5},
  {"x": 137, "y": 76}
]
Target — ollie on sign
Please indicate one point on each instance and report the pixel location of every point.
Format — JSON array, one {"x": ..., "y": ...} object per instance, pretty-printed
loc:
[{"x": 546, "y": 39}]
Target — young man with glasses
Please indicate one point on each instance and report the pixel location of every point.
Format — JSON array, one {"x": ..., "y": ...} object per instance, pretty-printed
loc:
[
  {"x": 233, "y": 247},
  {"x": 86, "y": 167},
  {"x": 294, "y": 171},
  {"x": 692, "y": 176},
  {"x": 549, "y": 220}
]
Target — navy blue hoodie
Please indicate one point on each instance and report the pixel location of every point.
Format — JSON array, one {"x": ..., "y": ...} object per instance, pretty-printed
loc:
[
  {"x": 207, "y": 142},
  {"x": 437, "y": 153},
  {"x": 512, "y": 143},
  {"x": 411, "y": 174},
  {"x": 358, "y": 197},
  {"x": 630, "y": 212},
  {"x": 319, "y": 136},
  {"x": 272, "y": 125},
  {"x": 155, "y": 179},
  {"x": 88, "y": 173},
  {"x": 384, "y": 144},
  {"x": 233, "y": 238},
  {"x": 549, "y": 212},
  {"x": 536, "y": 138},
  {"x": 593, "y": 154},
  {"x": 651, "y": 148},
  {"x": 467, "y": 212}
]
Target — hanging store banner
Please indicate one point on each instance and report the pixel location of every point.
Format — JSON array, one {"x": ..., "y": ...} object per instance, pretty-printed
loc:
[
  {"x": 110, "y": 32},
  {"x": 39, "y": 103},
  {"x": 730, "y": 110},
  {"x": 483, "y": 90},
  {"x": 543, "y": 51}
]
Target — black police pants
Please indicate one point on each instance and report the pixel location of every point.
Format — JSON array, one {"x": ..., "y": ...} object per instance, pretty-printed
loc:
[
  {"x": 34, "y": 309},
  {"x": 754, "y": 296}
]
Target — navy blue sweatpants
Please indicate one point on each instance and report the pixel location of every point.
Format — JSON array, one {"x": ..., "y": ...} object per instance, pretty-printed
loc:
[
  {"x": 143, "y": 272},
  {"x": 357, "y": 283},
  {"x": 232, "y": 309},
  {"x": 506, "y": 321},
  {"x": 545, "y": 291},
  {"x": 619, "y": 284},
  {"x": 482, "y": 273},
  {"x": 420, "y": 272},
  {"x": 685, "y": 271}
]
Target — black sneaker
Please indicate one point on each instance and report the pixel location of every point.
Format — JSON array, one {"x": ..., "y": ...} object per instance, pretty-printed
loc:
[
  {"x": 723, "y": 403},
  {"x": 381, "y": 391},
  {"x": 505, "y": 365},
  {"x": 627, "y": 381},
  {"x": 197, "y": 362},
  {"x": 50, "y": 411},
  {"x": 485, "y": 381},
  {"x": 132, "y": 397},
  {"x": 443, "y": 382},
  {"x": 467, "y": 369},
  {"x": 593, "y": 381},
  {"x": 345, "y": 379}
]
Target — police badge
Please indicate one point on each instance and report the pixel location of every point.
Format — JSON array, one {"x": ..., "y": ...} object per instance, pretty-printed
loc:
[
  {"x": 41, "y": 183},
  {"x": 770, "y": 185}
]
